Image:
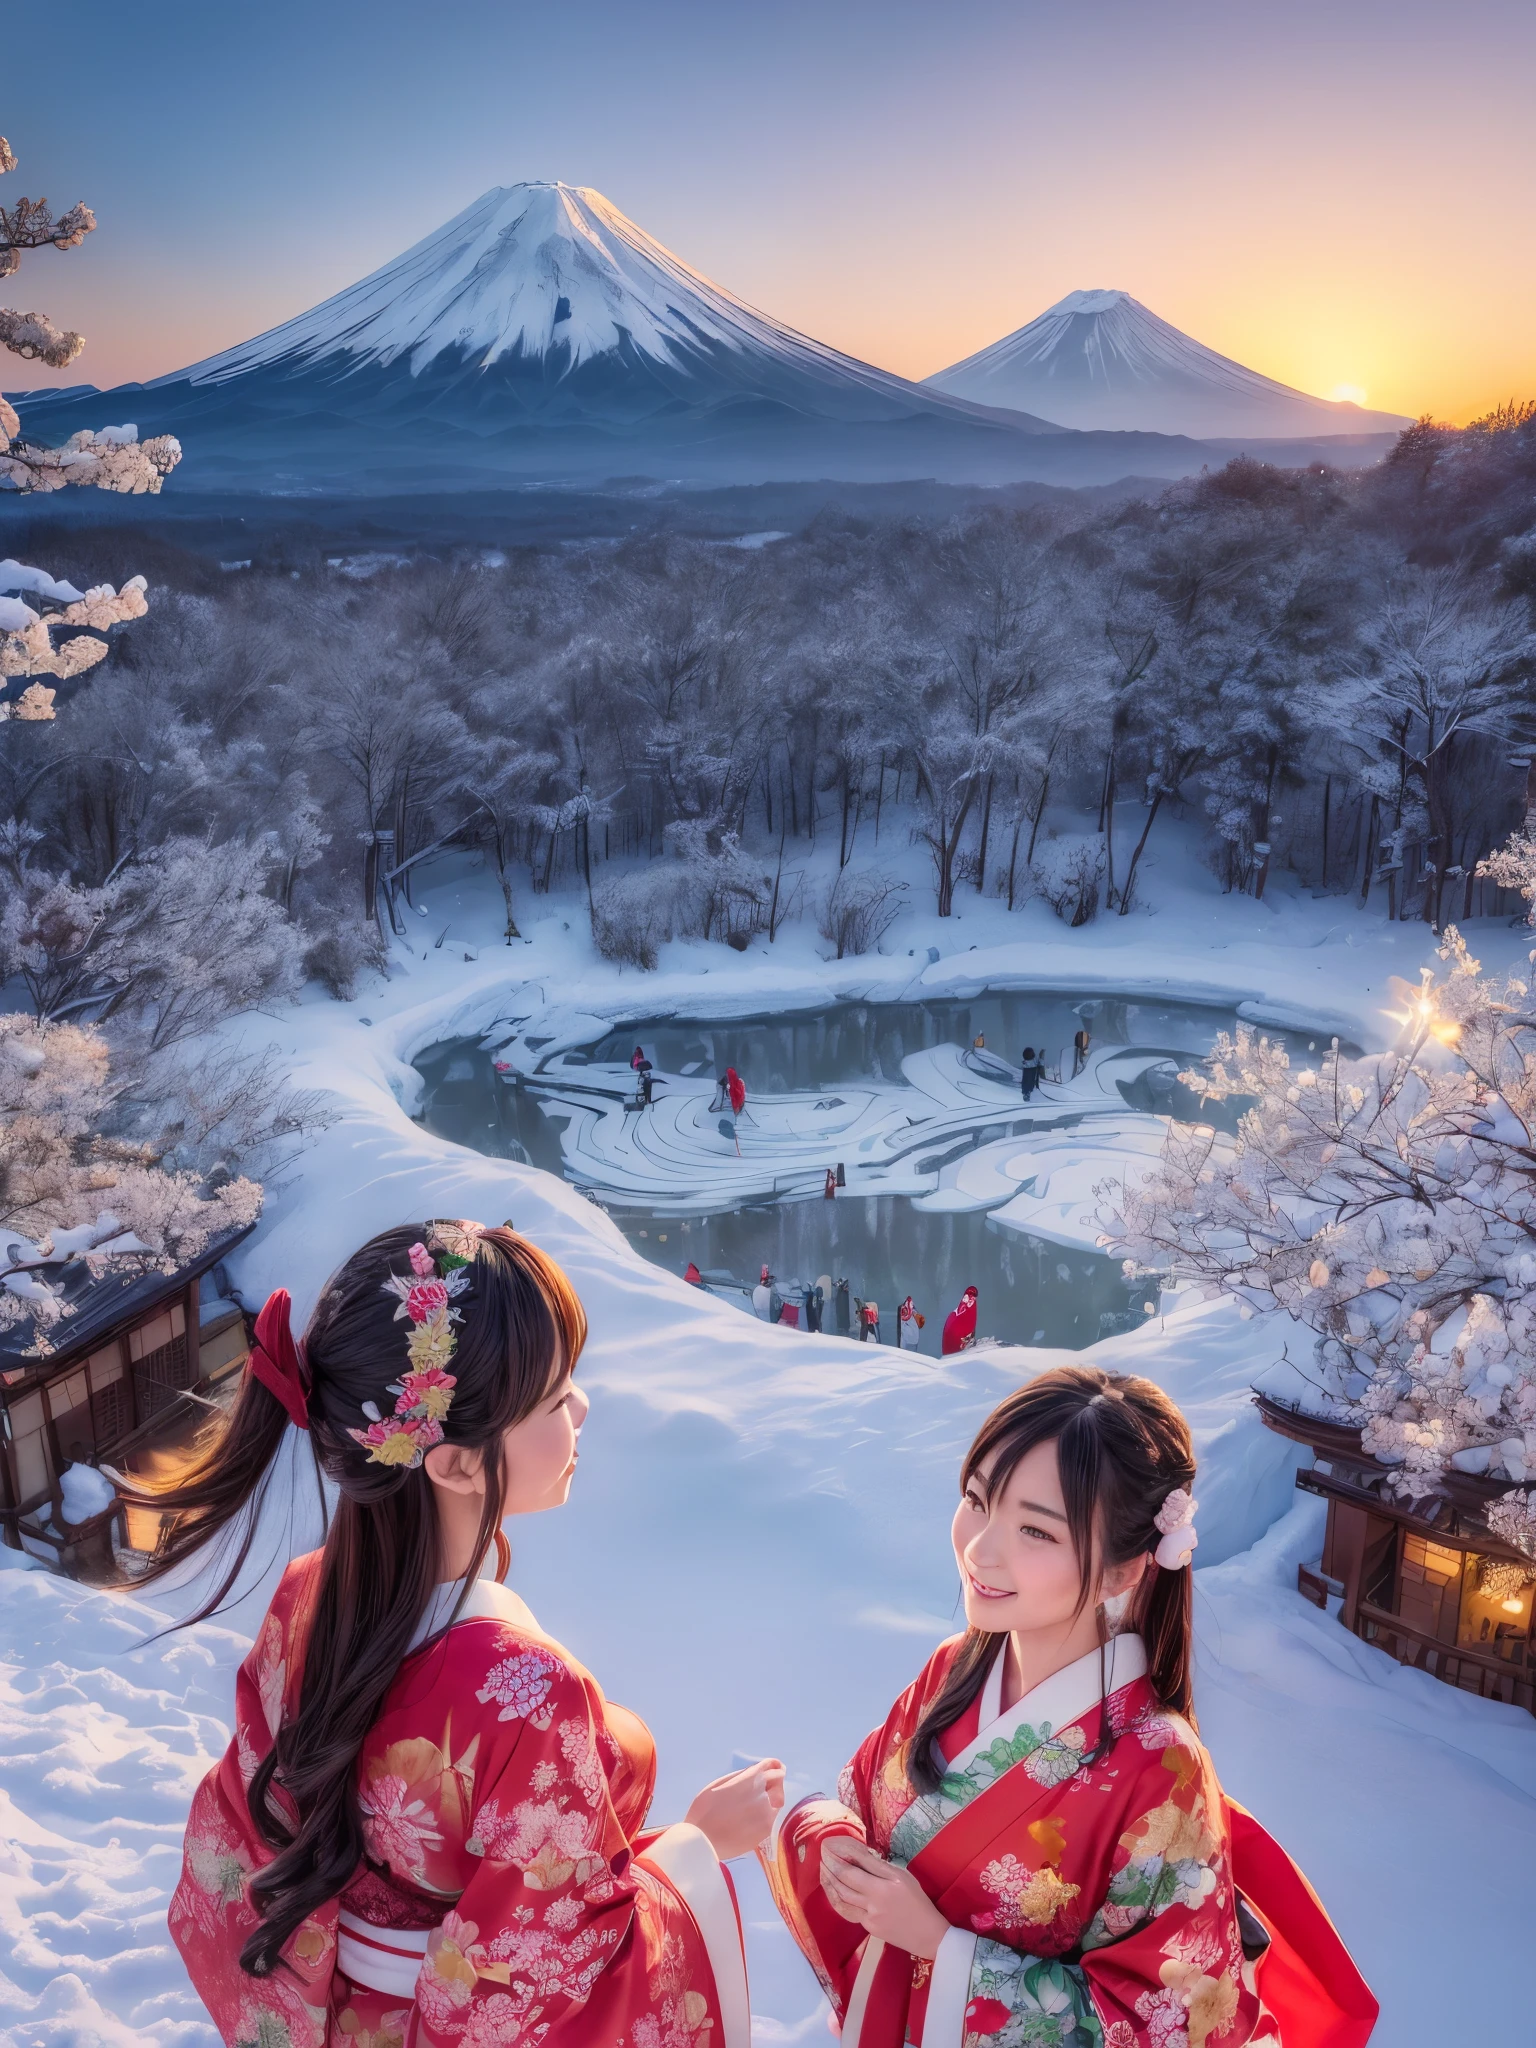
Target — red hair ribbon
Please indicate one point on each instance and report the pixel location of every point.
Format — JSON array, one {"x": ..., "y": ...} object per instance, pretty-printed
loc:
[{"x": 277, "y": 1361}]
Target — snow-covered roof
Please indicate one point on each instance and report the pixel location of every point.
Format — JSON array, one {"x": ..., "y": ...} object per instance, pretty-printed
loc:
[{"x": 100, "y": 1305}]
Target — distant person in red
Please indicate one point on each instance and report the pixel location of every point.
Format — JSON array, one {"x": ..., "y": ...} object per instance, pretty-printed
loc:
[
  {"x": 872, "y": 1322},
  {"x": 960, "y": 1324},
  {"x": 692, "y": 1275},
  {"x": 829, "y": 1186},
  {"x": 638, "y": 1060},
  {"x": 737, "y": 1090}
]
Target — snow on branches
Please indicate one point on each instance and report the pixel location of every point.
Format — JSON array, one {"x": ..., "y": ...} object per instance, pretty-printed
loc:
[
  {"x": 1389, "y": 1204},
  {"x": 30, "y": 225},
  {"x": 1513, "y": 866},
  {"x": 68, "y": 1193},
  {"x": 106, "y": 459},
  {"x": 27, "y": 644}
]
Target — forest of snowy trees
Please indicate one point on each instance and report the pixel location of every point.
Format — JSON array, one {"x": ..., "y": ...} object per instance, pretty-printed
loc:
[{"x": 1332, "y": 673}]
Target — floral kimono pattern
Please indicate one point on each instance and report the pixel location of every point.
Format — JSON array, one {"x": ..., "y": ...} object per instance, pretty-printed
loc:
[
  {"x": 1082, "y": 1851},
  {"x": 507, "y": 1896}
]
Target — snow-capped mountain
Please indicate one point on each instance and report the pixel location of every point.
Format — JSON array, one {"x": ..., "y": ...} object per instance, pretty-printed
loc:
[
  {"x": 1101, "y": 359},
  {"x": 553, "y": 278},
  {"x": 541, "y": 335}
]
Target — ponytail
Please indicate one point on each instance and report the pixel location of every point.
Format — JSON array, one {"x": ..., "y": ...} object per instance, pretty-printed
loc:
[
  {"x": 225, "y": 1483},
  {"x": 520, "y": 1327},
  {"x": 1163, "y": 1616},
  {"x": 1121, "y": 1448}
]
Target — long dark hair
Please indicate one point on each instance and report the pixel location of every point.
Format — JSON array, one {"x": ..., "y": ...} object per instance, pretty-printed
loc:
[
  {"x": 1121, "y": 1448},
  {"x": 522, "y": 1327}
]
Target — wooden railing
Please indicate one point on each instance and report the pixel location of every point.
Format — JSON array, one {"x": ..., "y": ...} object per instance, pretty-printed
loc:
[{"x": 1456, "y": 1663}]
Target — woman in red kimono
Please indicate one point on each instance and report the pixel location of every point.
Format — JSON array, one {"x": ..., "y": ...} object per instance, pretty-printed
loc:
[
  {"x": 430, "y": 1825},
  {"x": 960, "y": 1324},
  {"x": 1033, "y": 1850}
]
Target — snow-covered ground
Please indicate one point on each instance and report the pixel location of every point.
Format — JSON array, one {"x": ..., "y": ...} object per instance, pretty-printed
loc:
[{"x": 783, "y": 1500}]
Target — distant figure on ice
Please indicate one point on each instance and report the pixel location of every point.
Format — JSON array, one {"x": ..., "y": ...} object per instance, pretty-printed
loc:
[
  {"x": 638, "y": 1061},
  {"x": 960, "y": 1324},
  {"x": 830, "y": 1187},
  {"x": 909, "y": 1325},
  {"x": 979, "y": 1042},
  {"x": 871, "y": 1330},
  {"x": 816, "y": 1301},
  {"x": 692, "y": 1275},
  {"x": 1029, "y": 1073},
  {"x": 762, "y": 1295},
  {"x": 736, "y": 1088},
  {"x": 1080, "y": 1044},
  {"x": 842, "y": 1319}
]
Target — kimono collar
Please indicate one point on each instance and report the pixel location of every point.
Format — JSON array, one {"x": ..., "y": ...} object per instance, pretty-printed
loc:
[
  {"x": 485, "y": 1601},
  {"x": 1059, "y": 1700}
]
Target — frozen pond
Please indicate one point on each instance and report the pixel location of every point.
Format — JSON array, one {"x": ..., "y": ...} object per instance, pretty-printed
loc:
[{"x": 951, "y": 1176}]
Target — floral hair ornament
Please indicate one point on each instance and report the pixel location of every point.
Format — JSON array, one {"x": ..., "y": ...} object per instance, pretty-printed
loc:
[
  {"x": 1175, "y": 1520},
  {"x": 424, "y": 1393}
]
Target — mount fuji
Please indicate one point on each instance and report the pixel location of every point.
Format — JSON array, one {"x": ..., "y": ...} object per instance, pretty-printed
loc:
[
  {"x": 542, "y": 334},
  {"x": 1101, "y": 359}
]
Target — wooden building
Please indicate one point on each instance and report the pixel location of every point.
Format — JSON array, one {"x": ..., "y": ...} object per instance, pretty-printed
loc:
[
  {"x": 136, "y": 1365},
  {"x": 1429, "y": 1583}
]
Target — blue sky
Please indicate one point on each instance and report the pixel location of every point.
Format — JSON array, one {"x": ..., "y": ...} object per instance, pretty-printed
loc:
[{"x": 1339, "y": 195}]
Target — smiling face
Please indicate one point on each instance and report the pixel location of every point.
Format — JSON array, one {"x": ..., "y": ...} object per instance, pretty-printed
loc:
[
  {"x": 1018, "y": 1567},
  {"x": 538, "y": 1454}
]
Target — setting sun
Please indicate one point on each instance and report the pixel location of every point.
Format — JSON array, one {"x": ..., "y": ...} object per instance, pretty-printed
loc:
[{"x": 1353, "y": 394}]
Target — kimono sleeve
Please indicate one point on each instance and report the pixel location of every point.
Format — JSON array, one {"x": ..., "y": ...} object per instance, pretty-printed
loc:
[
  {"x": 559, "y": 1934},
  {"x": 1161, "y": 1958},
  {"x": 211, "y": 1914}
]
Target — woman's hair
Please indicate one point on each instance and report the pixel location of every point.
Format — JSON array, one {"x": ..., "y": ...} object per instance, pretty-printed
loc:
[
  {"x": 521, "y": 1326},
  {"x": 1121, "y": 1448}
]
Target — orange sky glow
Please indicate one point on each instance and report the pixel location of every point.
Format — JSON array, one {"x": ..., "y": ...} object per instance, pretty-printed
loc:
[{"x": 1337, "y": 195}]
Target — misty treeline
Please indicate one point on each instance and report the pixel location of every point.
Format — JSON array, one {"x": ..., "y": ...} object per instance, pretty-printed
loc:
[{"x": 1333, "y": 673}]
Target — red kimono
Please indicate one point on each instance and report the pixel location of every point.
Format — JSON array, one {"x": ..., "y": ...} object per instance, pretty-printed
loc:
[
  {"x": 960, "y": 1324},
  {"x": 1089, "y": 1866},
  {"x": 507, "y": 1895}
]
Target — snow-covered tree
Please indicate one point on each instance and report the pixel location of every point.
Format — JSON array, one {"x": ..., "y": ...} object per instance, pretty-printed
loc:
[
  {"x": 171, "y": 944},
  {"x": 1389, "y": 1203},
  {"x": 69, "y": 1193},
  {"x": 108, "y": 459},
  {"x": 29, "y": 224},
  {"x": 1440, "y": 665},
  {"x": 111, "y": 458},
  {"x": 859, "y": 909},
  {"x": 28, "y": 647}
]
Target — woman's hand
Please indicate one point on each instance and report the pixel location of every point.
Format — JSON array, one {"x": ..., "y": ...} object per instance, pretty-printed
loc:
[
  {"x": 736, "y": 1812},
  {"x": 883, "y": 1899}
]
